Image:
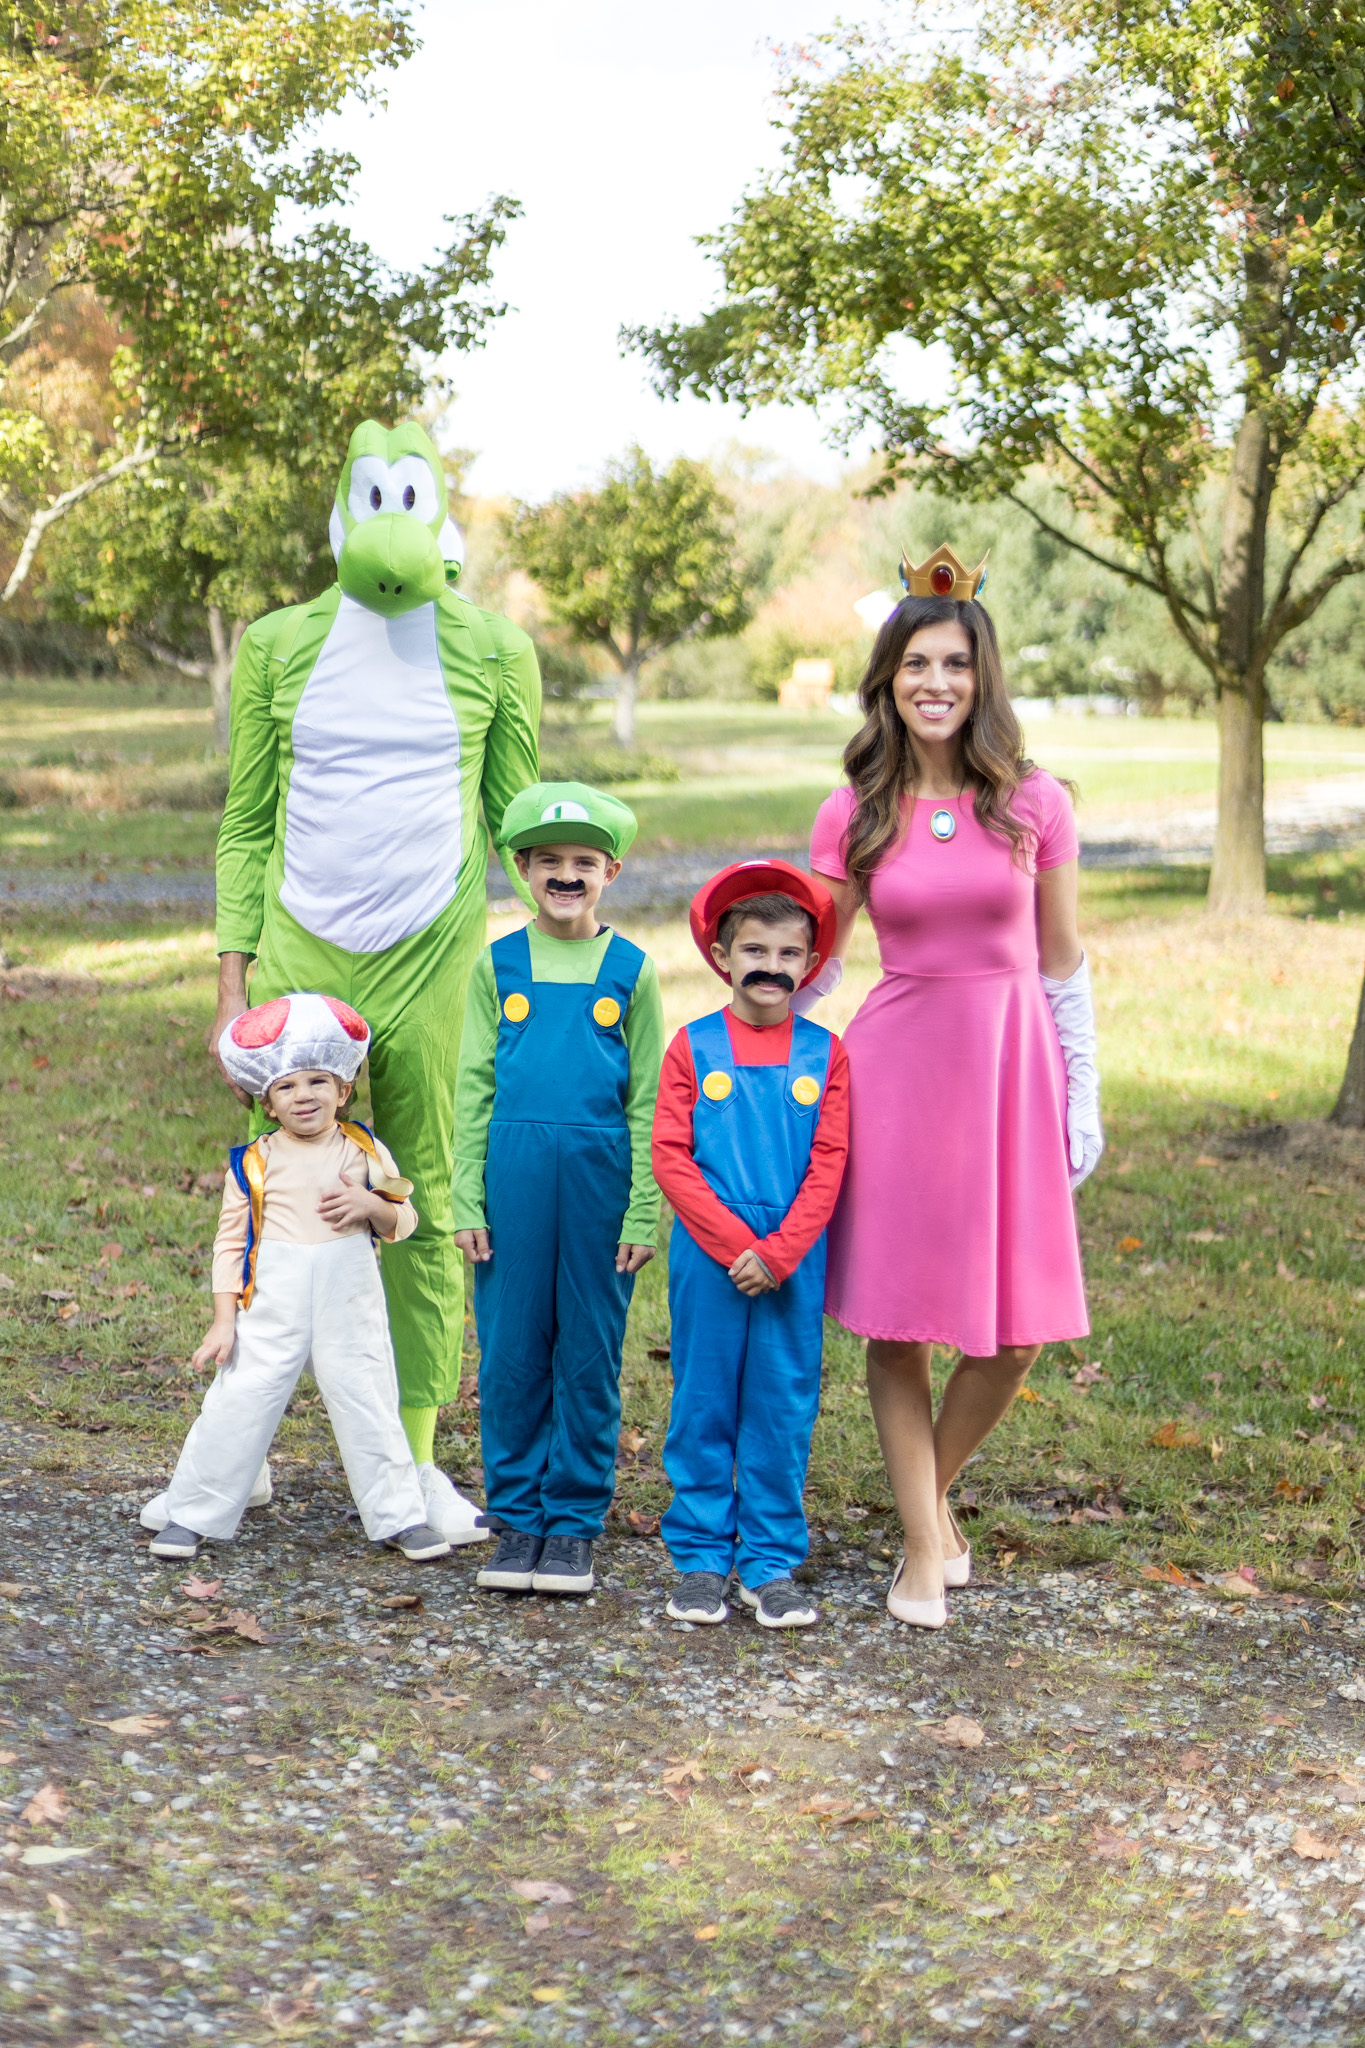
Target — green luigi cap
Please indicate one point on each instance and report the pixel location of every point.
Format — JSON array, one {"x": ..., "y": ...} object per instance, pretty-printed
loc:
[{"x": 568, "y": 814}]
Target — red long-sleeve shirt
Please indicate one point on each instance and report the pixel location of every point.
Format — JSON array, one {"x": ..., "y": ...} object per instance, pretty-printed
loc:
[{"x": 717, "y": 1229}]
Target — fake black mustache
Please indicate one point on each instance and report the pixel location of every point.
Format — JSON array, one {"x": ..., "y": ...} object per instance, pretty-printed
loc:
[
  {"x": 760, "y": 978},
  {"x": 559, "y": 888}
]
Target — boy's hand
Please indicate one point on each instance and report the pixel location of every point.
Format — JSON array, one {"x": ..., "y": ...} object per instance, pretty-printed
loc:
[
  {"x": 216, "y": 1348},
  {"x": 474, "y": 1245},
  {"x": 350, "y": 1204},
  {"x": 750, "y": 1275},
  {"x": 630, "y": 1257}
]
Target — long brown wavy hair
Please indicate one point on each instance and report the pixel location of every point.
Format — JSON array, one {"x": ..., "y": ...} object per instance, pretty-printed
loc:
[{"x": 880, "y": 760}]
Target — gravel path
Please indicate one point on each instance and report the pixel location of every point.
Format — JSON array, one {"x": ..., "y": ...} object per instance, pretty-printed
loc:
[
  {"x": 471, "y": 1818},
  {"x": 1315, "y": 818}
]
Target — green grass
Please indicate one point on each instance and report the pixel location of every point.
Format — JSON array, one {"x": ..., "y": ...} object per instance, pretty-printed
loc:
[{"x": 1227, "y": 1289}]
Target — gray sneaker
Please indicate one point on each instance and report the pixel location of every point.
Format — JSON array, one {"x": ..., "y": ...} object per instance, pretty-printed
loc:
[
  {"x": 420, "y": 1544},
  {"x": 512, "y": 1566},
  {"x": 175, "y": 1542},
  {"x": 565, "y": 1566},
  {"x": 699, "y": 1596},
  {"x": 780, "y": 1604}
]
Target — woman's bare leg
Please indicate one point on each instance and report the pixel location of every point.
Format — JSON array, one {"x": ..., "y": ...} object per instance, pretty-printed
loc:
[
  {"x": 976, "y": 1396},
  {"x": 902, "y": 1407}
]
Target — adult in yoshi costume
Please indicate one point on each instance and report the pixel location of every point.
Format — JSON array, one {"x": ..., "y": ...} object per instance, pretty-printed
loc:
[{"x": 378, "y": 734}]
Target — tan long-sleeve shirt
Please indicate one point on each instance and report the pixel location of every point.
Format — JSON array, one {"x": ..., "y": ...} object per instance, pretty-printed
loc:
[{"x": 298, "y": 1173}]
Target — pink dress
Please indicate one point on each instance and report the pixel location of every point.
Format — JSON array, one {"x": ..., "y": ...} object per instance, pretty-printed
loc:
[{"x": 955, "y": 1224}]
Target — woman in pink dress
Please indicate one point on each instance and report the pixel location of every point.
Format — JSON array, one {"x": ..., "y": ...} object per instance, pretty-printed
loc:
[{"x": 974, "y": 1097}]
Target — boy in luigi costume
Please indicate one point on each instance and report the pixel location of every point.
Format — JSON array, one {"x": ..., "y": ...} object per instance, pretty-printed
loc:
[
  {"x": 750, "y": 1139},
  {"x": 553, "y": 1192}
]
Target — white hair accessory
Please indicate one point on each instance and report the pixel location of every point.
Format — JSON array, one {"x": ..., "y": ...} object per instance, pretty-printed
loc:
[{"x": 291, "y": 1034}]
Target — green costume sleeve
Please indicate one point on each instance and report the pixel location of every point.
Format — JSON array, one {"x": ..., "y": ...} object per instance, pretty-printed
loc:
[
  {"x": 474, "y": 1094},
  {"x": 246, "y": 837},
  {"x": 511, "y": 752},
  {"x": 643, "y": 1032}
]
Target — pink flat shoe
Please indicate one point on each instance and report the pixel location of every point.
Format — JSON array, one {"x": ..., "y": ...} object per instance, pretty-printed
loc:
[
  {"x": 957, "y": 1571},
  {"x": 919, "y": 1613}
]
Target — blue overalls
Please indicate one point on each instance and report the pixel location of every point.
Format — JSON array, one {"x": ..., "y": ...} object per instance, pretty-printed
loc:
[
  {"x": 550, "y": 1305},
  {"x": 746, "y": 1369}
]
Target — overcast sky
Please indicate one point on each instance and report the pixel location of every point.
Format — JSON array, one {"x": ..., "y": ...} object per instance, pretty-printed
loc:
[{"x": 625, "y": 129}]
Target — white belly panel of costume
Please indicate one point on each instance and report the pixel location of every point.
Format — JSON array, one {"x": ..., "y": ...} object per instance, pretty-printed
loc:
[{"x": 372, "y": 821}]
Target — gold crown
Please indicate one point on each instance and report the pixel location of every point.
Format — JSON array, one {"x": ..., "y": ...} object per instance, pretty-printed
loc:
[{"x": 942, "y": 575}]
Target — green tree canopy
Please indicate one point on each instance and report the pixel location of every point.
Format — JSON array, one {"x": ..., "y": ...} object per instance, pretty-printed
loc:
[
  {"x": 646, "y": 560},
  {"x": 1118, "y": 224},
  {"x": 146, "y": 152}
]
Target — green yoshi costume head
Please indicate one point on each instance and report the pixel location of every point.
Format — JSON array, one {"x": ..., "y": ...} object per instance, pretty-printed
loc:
[{"x": 378, "y": 735}]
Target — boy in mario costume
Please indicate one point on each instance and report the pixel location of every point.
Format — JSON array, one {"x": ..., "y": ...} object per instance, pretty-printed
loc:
[
  {"x": 295, "y": 1281},
  {"x": 554, "y": 1198},
  {"x": 750, "y": 1139}
]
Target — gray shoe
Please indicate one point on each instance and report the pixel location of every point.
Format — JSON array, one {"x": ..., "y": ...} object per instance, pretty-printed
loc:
[
  {"x": 565, "y": 1566},
  {"x": 175, "y": 1542},
  {"x": 513, "y": 1564},
  {"x": 419, "y": 1543},
  {"x": 780, "y": 1604},
  {"x": 699, "y": 1596}
]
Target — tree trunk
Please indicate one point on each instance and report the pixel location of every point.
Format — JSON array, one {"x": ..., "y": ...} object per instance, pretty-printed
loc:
[
  {"x": 1237, "y": 883},
  {"x": 623, "y": 716},
  {"x": 1350, "y": 1109},
  {"x": 224, "y": 645}
]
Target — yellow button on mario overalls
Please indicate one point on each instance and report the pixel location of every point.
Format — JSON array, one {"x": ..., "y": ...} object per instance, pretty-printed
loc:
[
  {"x": 806, "y": 1089},
  {"x": 516, "y": 1009},
  {"x": 716, "y": 1086},
  {"x": 606, "y": 1010}
]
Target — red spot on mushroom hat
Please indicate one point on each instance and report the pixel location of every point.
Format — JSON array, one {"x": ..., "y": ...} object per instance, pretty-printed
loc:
[{"x": 290, "y": 1035}]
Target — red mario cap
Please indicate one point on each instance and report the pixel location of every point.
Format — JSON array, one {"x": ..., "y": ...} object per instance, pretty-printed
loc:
[{"x": 761, "y": 878}]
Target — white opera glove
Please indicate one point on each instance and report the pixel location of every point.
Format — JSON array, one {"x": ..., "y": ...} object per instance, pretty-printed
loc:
[
  {"x": 823, "y": 984},
  {"x": 1073, "y": 1013}
]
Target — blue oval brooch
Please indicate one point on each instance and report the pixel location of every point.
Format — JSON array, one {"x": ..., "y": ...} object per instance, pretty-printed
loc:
[{"x": 943, "y": 825}]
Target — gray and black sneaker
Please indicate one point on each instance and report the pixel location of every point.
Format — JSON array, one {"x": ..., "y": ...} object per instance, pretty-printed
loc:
[
  {"x": 698, "y": 1596},
  {"x": 512, "y": 1566},
  {"x": 420, "y": 1544},
  {"x": 780, "y": 1604},
  {"x": 565, "y": 1566},
  {"x": 176, "y": 1542}
]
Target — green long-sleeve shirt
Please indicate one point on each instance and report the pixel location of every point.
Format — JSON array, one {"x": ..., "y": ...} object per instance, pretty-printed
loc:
[
  {"x": 493, "y": 682},
  {"x": 575, "y": 960}
]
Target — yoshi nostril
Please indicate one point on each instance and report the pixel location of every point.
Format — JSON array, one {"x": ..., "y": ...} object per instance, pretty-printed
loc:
[
  {"x": 398, "y": 590},
  {"x": 376, "y": 496},
  {"x": 383, "y": 586},
  {"x": 409, "y": 498}
]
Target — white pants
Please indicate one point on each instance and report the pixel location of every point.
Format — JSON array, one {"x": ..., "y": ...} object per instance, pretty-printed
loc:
[{"x": 318, "y": 1304}]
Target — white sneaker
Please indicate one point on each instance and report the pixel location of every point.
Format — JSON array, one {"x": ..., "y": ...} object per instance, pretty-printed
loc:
[
  {"x": 156, "y": 1515},
  {"x": 448, "y": 1512}
]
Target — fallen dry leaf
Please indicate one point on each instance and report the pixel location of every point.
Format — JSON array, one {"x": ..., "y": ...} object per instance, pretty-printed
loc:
[
  {"x": 47, "y": 1804},
  {"x": 642, "y": 1524},
  {"x": 706, "y": 1933},
  {"x": 1107, "y": 1843},
  {"x": 1238, "y": 1582},
  {"x": 1086, "y": 1376},
  {"x": 538, "y": 1922},
  {"x": 1027, "y": 1394},
  {"x": 9, "y": 1756},
  {"x": 235, "y": 1623},
  {"x": 134, "y": 1724},
  {"x": 1170, "y": 1574},
  {"x": 10, "y": 1589},
  {"x": 1280, "y": 1721},
  {"x": 959, "y": 1732},
  {"x": 60, "y": 1911},
  {"x": 412, "y": 1601},
  {"x": 1013, "y": 1663},
  {"x": 543, "y": 1891},
  {"x": 283, "y": 2012},
  {"x": 201, "y": 1589},
  {"x": 548, "y": 1994},
  {"x": 679, "y": 1773},
  {"x": 1130, "y": 1244},
  {"x": 1175, "y": 1436},
  {"x": 112, "y": 1250},
  {"x": 543, "y": 1773},
  {"x": 675, "y": 1858},
  {"x": 1307, "y": 1844},
  {"x": 631, "y": 1442},
  {"x": 627, "y": 1827},
  {"x": 1204, "y": 1159}
]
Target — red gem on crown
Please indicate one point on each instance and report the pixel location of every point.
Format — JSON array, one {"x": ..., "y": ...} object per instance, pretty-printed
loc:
[{"x": 941, "y": 578}]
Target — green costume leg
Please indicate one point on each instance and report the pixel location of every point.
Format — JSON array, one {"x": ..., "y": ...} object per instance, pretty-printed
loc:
[{"x": 412, "y": 997}]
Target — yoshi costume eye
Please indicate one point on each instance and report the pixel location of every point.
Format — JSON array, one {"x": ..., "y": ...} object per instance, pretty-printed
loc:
[{"x": 396, "y": 548}]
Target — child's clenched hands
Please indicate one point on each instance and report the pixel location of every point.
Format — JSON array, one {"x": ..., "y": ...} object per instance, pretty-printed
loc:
[
  {"x": 350, "y": 1205},
  {"x": 630, "y": 1257},
  {"x": 750, "y": 1275},
  {"x": 474, "y": 1245},
  {"x": 216, "y": 1348}
]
